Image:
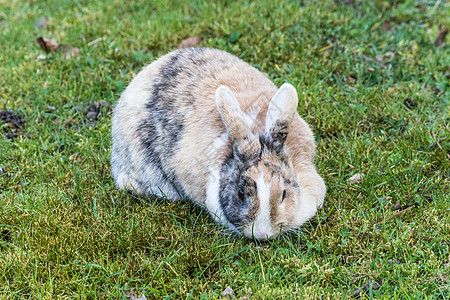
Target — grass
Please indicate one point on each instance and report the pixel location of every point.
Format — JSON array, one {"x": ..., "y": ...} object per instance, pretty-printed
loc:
[{"x": 372, "y": 85}]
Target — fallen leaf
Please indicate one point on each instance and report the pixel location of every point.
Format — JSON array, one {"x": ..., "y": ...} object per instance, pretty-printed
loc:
[
  {"x": 132, "y": 296},
  {"x": 358, "y": 177},
  {"x": 440, "y": 39},
  {"x": 190, "y": 42},
  {"x": 46, "y": 44},
  {"x": 51, "y": 46},
  {"x": 228, "y": 293}
]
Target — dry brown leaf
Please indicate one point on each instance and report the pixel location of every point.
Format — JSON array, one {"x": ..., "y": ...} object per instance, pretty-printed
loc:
[
  {"x": 190, "y": 42},
  {"x": 46, "y": 44},
  {"x": 51, "y": 46},
  {"x": 440, "y": 39}
]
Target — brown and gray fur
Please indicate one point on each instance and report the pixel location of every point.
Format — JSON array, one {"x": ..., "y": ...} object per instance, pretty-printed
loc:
[{"x": 176, "y": 134}]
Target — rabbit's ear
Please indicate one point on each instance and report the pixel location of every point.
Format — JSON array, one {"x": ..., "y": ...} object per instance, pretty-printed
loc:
[
  {"x": 280, "y": 114},
  {"x": 238, "y": 124}
]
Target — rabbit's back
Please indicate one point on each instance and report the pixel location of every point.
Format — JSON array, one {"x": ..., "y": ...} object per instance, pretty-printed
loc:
[{"x": 166, "y": 125}]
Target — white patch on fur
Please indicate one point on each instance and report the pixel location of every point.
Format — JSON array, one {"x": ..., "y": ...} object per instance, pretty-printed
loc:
[
  {"x": 214, "y": 150},
  {"x": 221, "y": 141},
  {"x": 212, "y": 189},
  {"x": 212, "y": 195},
  {"x": 262, "y": 226}
]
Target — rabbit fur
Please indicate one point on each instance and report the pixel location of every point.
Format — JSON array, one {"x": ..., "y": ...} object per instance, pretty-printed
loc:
[{"x": 203, "y": 125}]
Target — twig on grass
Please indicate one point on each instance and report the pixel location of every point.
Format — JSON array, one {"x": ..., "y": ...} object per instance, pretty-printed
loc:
[{"x": 398, "y": 213}]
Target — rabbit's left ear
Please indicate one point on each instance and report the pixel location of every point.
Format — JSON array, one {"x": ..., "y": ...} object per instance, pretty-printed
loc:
[{"x": 280, "y": 114}]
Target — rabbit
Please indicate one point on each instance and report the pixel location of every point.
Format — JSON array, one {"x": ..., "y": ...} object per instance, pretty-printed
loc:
[{"x": 201, "y": 124}]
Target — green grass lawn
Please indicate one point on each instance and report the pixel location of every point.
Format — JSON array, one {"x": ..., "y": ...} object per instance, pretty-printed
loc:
[{"x": 372, "y": 85}]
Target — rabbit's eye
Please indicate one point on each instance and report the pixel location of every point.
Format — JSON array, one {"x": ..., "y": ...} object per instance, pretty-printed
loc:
[
  {"x": 284, "y": 196},
  {"x": 241, "y": 195}
]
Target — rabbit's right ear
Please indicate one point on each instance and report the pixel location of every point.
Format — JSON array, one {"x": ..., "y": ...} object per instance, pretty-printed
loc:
[
  {"x": 238, "y": 124},
  {"x": 280, "y": 114}
]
